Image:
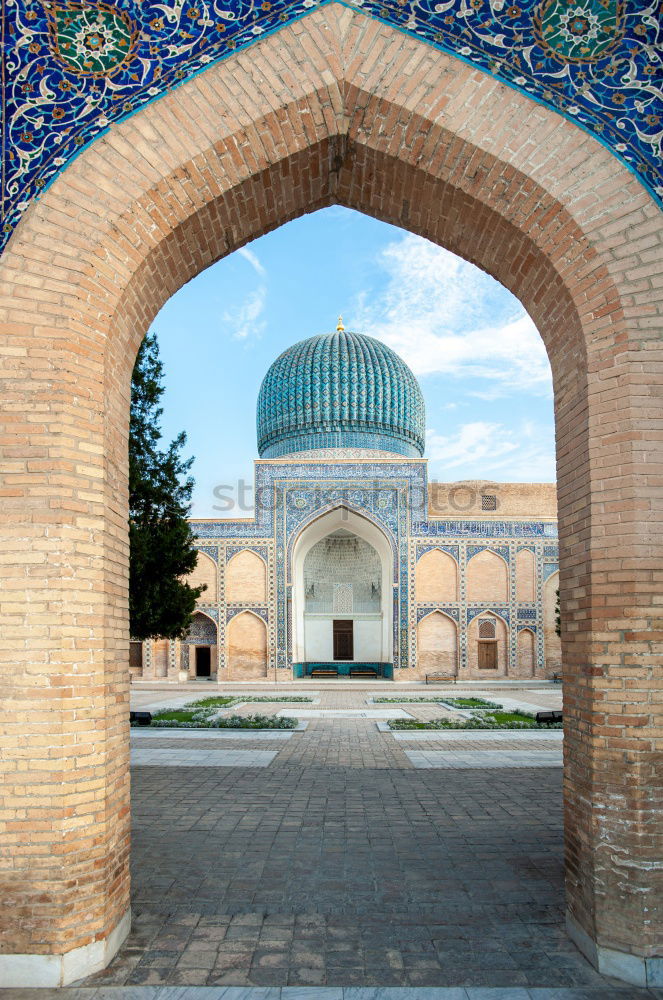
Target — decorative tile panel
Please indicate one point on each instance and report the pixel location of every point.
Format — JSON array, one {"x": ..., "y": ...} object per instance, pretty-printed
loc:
[{"x": 73, "y": 69}]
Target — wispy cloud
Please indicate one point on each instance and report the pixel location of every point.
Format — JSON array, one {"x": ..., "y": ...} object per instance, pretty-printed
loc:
[
  {"x": 485, "y": 450},
  {"x": 445, "y": 317},
  {"x": 253, "y": 260},
  {"x": 247, "y": 320}
]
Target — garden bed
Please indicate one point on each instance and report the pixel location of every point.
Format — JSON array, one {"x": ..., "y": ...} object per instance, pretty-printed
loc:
[{"x": 487, "y": 720}]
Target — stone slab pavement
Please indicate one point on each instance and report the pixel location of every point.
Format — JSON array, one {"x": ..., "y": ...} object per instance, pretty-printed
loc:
[
  {"x": 341, "y": 865},
  {"x": 330, "y": 993}
]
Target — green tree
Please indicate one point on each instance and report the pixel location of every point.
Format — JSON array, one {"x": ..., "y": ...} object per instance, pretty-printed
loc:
[
  {"x": 558, "y": 614},
  {"x": 161, "y": 603}
]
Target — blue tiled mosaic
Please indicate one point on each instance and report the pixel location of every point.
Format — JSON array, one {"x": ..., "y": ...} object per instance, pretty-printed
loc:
[
  {"x": 549, "y": 569},
  {"x": 501, "y": 612},
  {"x": 73, "y": 68},
  {"x": 340, "y": 390},
  {"x": 502, "y": 550}
]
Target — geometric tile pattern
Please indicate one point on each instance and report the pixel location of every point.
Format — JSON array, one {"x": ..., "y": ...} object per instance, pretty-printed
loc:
[
  {"x": 72, "y": 68},
  {"x": 393, "y": 495},
  {"x": 335, "y": 386}
]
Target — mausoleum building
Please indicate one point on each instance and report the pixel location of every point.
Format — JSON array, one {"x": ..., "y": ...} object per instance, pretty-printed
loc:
[{"x": 354, "y": 564}]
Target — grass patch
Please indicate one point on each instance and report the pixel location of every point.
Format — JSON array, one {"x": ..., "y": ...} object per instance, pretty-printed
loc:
[
  {"x": 470, "y": 703},
  {"x": 217, "y": 701},
  {"x": 489, "y": 720},
  {"x": 173, "y": 715},
  {"x": 409, "y": 700},
  {"x": 255, "y": 722}
]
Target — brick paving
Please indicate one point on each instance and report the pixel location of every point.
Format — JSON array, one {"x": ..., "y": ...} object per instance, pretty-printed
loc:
[{"x": 340, "y": 864}]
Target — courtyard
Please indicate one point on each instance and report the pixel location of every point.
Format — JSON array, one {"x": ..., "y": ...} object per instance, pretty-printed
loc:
[{"x": 342, "y": 856}]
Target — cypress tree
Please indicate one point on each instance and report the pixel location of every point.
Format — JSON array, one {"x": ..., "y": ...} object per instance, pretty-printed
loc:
[{"x": 161, "y": 603}]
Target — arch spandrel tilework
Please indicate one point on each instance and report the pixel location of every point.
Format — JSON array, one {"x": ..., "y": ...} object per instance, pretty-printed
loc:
[{"x": 75, "y": 68}]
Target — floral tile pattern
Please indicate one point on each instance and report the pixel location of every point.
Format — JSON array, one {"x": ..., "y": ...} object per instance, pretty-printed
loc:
[{"x": 72, "y": 69}]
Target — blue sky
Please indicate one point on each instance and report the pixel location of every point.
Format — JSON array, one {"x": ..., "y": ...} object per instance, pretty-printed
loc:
[{"x": 479, "y": 359}]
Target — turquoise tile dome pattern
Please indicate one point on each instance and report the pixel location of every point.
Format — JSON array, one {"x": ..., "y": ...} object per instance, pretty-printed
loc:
[{"x": 340, "y": 390}]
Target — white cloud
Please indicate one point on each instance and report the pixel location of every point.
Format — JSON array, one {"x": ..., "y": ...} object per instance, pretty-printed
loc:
[
  {"x": 253, "y": 260},
  {"x": 245, "y": 321},
  {"x": 445, "y": 317},
  {"x": 484, "y": 450}
]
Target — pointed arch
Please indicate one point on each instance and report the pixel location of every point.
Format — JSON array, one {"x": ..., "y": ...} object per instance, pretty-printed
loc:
[
  {"x": 487, "y": 577},
  {"x": 436, "y": 577},
  {"x": 542, "y": 207},
  {"x": 437, "y": 644},
  {"x": 246, "y": 578},
  {"x": 312, "y": 636},
  {"x": 525, "y": 575},
  {"x": 205, "y": 572},
  {"x": 246, "y": 647},
  {"x": 526, "y": 653},
  {"x": 552, "y": 643},
  {"x": 487, "y": 655}
]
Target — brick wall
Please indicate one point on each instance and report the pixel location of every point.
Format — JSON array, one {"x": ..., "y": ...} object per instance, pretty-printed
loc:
[{"x": 336, "y": 108}]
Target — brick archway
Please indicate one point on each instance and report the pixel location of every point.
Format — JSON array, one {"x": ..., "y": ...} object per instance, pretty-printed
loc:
[{"x": 333, "y": 109}]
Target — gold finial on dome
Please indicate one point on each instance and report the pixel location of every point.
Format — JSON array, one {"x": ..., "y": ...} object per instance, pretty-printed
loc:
[{"x": 339, "y": 326}]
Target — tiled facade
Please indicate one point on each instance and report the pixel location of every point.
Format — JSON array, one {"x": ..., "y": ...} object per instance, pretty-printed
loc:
[
  {"x": 394, "y": 495},
  {"x": 347, "y": 389},
  {"x": 78, "y": 68}
]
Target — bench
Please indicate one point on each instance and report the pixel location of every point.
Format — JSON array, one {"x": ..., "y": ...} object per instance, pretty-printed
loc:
[
  {"x": 363, "y": 672},
  {"x": 443, "y": 678},
  {"x": 321, "y": 672},
  {"x": 547, "y": 718},
  {"x": 556, "y": 678}
]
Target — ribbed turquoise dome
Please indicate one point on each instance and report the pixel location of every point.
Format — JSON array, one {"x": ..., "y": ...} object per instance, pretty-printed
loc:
[{"x": 340, "y": 390}]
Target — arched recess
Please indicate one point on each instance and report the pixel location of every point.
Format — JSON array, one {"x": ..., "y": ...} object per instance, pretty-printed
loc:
[
  {"x": 204, "y": 573},
  {"x": 487, "y": 577},
  {"x": 198, "y": 651},
  {"x": 246, "y": 578},
  {"x": 437, "y": 644},
  {"x": 500, "y": 180},
  {"x": 525, "y": 575},
  {"x": 487, "y": 647},
  {"x": 343, "y": 519},
  {"x": 526, "y": 653},
  {"x": 551, "y": 641},
  {"x": 246, "y": 647},
  {"x": 436, "y": 577}
]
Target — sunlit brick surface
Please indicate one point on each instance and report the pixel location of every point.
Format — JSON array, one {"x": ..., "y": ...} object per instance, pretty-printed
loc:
[{"x": 333, "y": 109}]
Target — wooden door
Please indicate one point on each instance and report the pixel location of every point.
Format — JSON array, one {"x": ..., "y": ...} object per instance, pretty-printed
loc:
[
  {"x": 488, "y": 655},
  {"x": 343, "y": 639}
]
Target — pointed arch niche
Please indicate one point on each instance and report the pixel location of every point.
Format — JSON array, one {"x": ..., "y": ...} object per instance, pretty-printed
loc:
[
  {"x": 487, "y": 577},
  {"x": 500, "y": 180},
  {"x": 526, "y": 653},
  {"x": 246, "y": 578},
  {"x": 552, "y": 643},
  {"x": 313, "y": 630},
  {"x": 246, "y": 647},
  {"x": 198, "y": 652},
  {"x": 436, "y": 578},
  {"x": 487, "y": 646},
  {"x": 437, "y": 644},
  {"x": 204, "y": 573}
]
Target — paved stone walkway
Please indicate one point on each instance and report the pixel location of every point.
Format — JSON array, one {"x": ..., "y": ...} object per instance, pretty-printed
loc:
[
  {"x": 341, "y": 866},
  {"x": 333, "y": 993}
]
